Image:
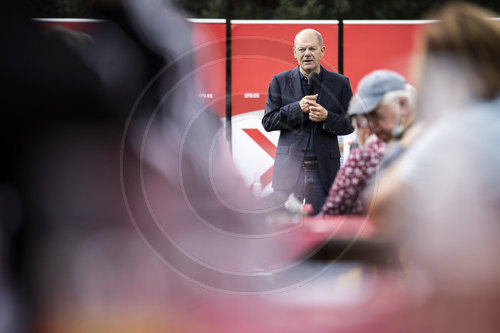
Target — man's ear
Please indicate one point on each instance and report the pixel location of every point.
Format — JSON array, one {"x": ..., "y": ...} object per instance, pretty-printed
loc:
[
  {"x": 372, "y": 123},
  {"x": 403, "y": 101},
  {"x": 404, "y": 104}
]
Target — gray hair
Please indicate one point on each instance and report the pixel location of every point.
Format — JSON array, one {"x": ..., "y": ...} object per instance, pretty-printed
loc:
[{"x": 409, "y": 93}]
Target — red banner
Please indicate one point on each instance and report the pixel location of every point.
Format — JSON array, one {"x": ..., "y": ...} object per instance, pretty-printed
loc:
[
  {"x": 209, "y": 41},
  {"x": 371, "y": 45}
]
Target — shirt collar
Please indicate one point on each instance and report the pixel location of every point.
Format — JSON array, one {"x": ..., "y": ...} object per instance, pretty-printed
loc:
[{"x": 320, "y": 76}]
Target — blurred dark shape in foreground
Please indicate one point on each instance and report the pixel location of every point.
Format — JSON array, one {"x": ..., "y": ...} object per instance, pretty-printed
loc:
[{"x": 87, "y": 123}]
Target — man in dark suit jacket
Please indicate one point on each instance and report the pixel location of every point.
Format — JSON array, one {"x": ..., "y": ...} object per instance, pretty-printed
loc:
[{"x": 307, "y": 156}]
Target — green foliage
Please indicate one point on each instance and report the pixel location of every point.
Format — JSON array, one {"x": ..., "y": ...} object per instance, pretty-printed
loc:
[
  {"x": 292, "y": 9},
  {"x": 274, "y": 9},
  {"x": 60, "y": 8},
  {"x": 215, "y": 9},
  {"x": 319, "y": 9}
]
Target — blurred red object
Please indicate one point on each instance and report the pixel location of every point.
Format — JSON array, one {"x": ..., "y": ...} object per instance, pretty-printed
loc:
[{"x": 314, "y": 232}]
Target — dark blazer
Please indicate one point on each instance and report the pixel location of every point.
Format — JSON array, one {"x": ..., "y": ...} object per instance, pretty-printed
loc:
[{"x": 282, "y": 112}]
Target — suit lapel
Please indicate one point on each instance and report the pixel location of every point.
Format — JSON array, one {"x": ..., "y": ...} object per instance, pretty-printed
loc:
[
  {"x": 294, "y": 84},
  {"x": 323, "y": 95},
  {"x": 331, "y": 90}
]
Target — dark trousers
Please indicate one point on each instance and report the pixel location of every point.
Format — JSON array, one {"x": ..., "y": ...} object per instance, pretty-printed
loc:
[{"x": 309, "y": 187}]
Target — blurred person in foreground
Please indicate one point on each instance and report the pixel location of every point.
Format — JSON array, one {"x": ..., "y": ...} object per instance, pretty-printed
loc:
[
  {"x": 107, "y": 199},
  {"x": 442, "y": 197},
  {"x": 308, "y": 105},
  {"x": 382, "y": 104}
]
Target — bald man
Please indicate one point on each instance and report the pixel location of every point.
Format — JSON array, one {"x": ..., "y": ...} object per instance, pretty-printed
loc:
[{"x": 309, "y": 118}]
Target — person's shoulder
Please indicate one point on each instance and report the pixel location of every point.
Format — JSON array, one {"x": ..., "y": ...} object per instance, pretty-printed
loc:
[
  {"x": 287, "y": 73},
  {"x": 335, "y": 76},
  {"x": 372, "y": 145}
]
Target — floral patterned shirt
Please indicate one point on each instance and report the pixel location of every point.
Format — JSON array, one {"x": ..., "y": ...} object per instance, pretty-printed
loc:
[{"x": 345, "y": 194}]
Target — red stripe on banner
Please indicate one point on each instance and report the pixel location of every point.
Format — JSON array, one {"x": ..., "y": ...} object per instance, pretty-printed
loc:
[
  {"x": 268, "y": 147},
  {"x": 266, "y": 177},
  {"x": 261, "y": 140}
]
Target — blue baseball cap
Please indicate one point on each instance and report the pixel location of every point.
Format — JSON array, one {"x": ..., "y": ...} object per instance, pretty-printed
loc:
[{"x": 372, "y": 88}]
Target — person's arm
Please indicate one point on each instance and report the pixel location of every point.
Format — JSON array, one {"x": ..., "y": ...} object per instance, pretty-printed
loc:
[
  {"x": 386, "y": 197},
  {"x": 278, "y": 116},
  {"x": 387, "y": 192}
]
